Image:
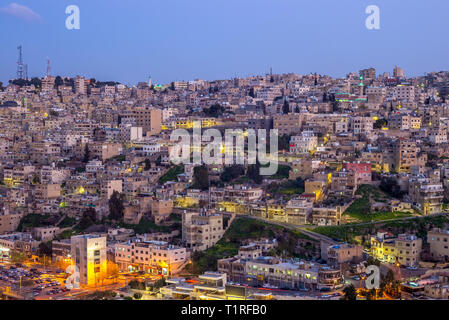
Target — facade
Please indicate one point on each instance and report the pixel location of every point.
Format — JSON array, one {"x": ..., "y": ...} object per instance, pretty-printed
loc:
[
  {"x": 89, "y": 255},
  {"x": 154, "y": 257},
  {"x": 438, "y": 240},
  {"x": 201, "y": 231},
  {"x": 405, "y": 249}
]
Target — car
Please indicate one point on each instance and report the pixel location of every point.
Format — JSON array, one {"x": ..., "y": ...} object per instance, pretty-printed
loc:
[
  {"x": 412, "y": 268},
  {"x": 357, "y": 278}
]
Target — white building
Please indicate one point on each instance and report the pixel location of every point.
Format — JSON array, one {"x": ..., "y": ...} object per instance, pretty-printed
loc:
[{"x": 89, "y": 256}]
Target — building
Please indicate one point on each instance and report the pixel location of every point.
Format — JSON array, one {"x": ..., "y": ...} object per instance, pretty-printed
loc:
[
  {"x": 291, "y": 274},
  {"x": 45, "y": 233},
  {"x": 368, "y": 74},
  {"x": 154, "y": 257},
  {"x": 89, "y": 255},
  {"x": 343, "y": 253},
  {"x": 306, "y": 142},
  {"x": 201, "y": 231},
  {"x": 148, "y": 118},
  {"x": 438, "y": 240},
  {"x": 426, "y": 195},
  {"x": 405, "y": 249}
]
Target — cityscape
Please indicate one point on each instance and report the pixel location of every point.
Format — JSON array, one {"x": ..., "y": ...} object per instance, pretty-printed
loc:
[{"x": 337, "y": 187}]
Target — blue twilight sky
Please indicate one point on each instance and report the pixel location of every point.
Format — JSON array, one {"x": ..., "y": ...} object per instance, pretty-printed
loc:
[{"x": 128, "y": 40}]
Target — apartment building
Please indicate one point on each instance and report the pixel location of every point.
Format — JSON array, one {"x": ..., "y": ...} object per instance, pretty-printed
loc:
[
  {"x": 9, "y": 222},
  {"x": 201, "y": 231},
  {"x": 89, "y": 255},
  {"x": 306, "y": 142},
  {"x": 338, "y": 254},
  {"x": 291, "y": 274},
  {"x": 438, "y": 240},
  {"x": 426, "y": 195},
  {"x": 148, "y": 118},
  {"x": 406, "y": 155},
  {"x": 288, "y": 123},
  {"x": 405, "y": 249},
  {"x": 151, "y": 256}
]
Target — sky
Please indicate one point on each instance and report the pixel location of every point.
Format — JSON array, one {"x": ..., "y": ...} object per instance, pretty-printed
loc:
[{"x": 175, "y": 40}]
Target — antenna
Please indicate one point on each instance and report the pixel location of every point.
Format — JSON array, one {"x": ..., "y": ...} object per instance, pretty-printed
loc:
[
  {"x": 48, "y": 67},
  {"x": 25, "y": 72},
  {"x": 20, "y": 63}
]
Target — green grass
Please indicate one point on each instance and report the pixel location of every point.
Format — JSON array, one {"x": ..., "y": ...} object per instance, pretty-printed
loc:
[
  {"x": 171, "y": 174},
  {"x": 418, "y": 226},
  {"x": 360, "y": 209}
]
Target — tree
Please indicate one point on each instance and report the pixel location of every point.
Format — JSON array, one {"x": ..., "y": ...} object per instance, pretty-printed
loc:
[
  {"x": 89, "y": 218},
  {"x": 18, "y": 257},
  {"x": 251, "y": 93},
  {"x": 45, "y": 249},
  {"x": 350, "y": 293},
  {"x": 391, "y": 186},
  {"x": 232, "y": 172},
  {"x": 58, "y": 81},
  {"x": 137, "y": 296},
  {"x": 285, "y": 107},
  {"x": 201, "y": 178},
  {"x": 86, "y": 153},
  {"x": 284, "y": 142},
  {"x": 253, "y": 173},
  {"x": 214, "y": 111},
  {"x": 112, "y": 270},
  {"x": 116, "y": 208}
]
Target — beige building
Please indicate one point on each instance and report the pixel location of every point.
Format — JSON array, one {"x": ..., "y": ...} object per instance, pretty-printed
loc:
[
  {"x": 45, "y": 233},
  {"x": 155, "y": 257},
  {"x": 201, "y": 231},
  {"x": 48, "y": 191},
  {"x": 438, "y": 240},
  {"x": 9, "y": 222},
  {"x": 405, "y": 249},
  {"x": 149, "y": 118}
]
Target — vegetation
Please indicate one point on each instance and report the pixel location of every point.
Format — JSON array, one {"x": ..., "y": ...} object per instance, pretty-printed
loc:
[
  {"x": 35, "y": 221},
  {"x": 418, "y": 226},
  {"x": 282, "y": 172},
  {"x": 200, "y": 178},
  {"x": 214, "y": 111},
  {"x": 88, "y": 219},
  {"x": 232, "y": 172},
  {"x": 171, "y": 174},
  {"x": 289, "y": 188},
  {"x": 253, "y": 173},
  {"x": 147, "y": 226},
  {"x": 244, "y": 229},
  {"x": 67, "y": 222},
  {"x": 360, "y": 209},
  {"x": 116, "y": 208},
  {"x": 350, "y": 293},
  {"x": 390, "y": 186}
]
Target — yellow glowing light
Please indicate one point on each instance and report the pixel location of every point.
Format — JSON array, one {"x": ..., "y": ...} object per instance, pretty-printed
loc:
[{"x": 80, "y": 190}]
